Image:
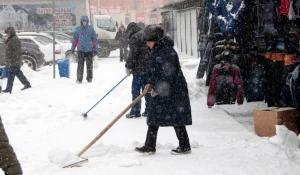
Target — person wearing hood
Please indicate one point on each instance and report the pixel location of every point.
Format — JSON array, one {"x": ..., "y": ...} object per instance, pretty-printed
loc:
[
  {"x": 123, "y": 43},
  {"x": 14, "y": 61},
  {"x": 85, "y": 39},
  {"x": 170, "y": 103},
  {"x": 137, "y": 64}
]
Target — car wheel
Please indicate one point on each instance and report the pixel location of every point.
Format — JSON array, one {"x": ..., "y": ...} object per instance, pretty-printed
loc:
[
  {"x": 104, "y": 51},
  {"x": 72, "y": 56},
  {"x": 29, "y": 61}
]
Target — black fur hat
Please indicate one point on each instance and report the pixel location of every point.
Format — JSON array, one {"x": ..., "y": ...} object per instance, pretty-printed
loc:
[{"x": 153, "y": 33}]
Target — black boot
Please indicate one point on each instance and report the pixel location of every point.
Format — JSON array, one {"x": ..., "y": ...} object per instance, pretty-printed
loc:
[
  {"x": 6, "y": 91},
  {"x": 26, "y": 87},
  {"x": 150, "y": 143},
  {"x": 184, "y": 143},
  {"x": 145, "y": 150},
  {"x": 180, "y": 150}
]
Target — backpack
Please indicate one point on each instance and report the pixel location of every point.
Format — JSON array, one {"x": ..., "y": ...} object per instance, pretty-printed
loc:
[{"x": 225, "y": 89}]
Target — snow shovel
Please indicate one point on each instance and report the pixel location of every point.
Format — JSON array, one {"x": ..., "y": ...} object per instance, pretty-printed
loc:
[
  {"x": 84, "y": 160},
  {"x": 85, "y": 114}
]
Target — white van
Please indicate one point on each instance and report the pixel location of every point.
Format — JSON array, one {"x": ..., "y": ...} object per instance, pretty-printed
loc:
[{"x": 106, "y": 29}]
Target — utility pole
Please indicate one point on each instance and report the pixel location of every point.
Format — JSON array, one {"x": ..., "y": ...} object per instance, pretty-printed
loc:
[
  {"x": 53, "y": 28},
  {"x": 98, "y": 8}
]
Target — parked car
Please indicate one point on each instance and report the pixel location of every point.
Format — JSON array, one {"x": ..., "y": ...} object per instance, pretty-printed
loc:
[
  {"x": 45, "y": 46},
  {"x": 61, "y": 38},
  {"x": 31, "y": 54}
]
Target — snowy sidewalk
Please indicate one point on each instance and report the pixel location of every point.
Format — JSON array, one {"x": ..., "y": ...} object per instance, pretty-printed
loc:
[{"x": 48, "y": 118}]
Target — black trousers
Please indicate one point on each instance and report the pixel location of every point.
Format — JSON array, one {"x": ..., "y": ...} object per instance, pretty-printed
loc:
[
  {"x": 123, "y": 53},
  {"x": 88, "y": 58},
  {"x": 15, "y": 71},
  {"x": 180, "y": 131}
]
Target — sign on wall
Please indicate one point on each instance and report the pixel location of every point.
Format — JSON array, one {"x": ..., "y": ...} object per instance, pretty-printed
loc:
[
  {"x": 38, "y": 17},
  {"x": 140, "y": 17}
]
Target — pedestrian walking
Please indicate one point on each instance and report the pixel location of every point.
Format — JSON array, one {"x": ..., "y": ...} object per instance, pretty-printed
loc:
[
  {"x": 137, "y": 64},
  {"x": 85, "y": 39},
  {"x": 170, "y": 103},
  {"x": 14, "y": 61},
  {"x": 123, "y": 43}
]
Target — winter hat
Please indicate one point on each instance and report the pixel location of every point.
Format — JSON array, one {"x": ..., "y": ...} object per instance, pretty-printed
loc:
[
  {"x": 132, "y": 28},
  {"x": 11, "y": 31},
  {"x": 122, "y": 26},
  {"x": 141, "y": 25},
  {"x": 153, "y": 33}
]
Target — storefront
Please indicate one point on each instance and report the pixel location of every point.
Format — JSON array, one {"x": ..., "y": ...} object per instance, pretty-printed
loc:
[
  {"x": 180, "y": 20},
  {"x": 37, "y": 15}
]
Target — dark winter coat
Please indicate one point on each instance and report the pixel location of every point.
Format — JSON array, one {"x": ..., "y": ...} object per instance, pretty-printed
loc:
[
  {"x": 171, "y": 107},
  {"x": 121, "y": 37},
  {"x": 85, "y": 38},
  {"x": 13, "y": 49},
  {"x": 138, "y": 57},
  {"x": 8, "y": 159},
  {"x": 204, "y": 60},
  {"x": 255, "y": 89}
]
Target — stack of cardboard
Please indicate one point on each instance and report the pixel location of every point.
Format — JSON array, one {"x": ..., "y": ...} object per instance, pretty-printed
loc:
[{"x": 266, "y": 119}]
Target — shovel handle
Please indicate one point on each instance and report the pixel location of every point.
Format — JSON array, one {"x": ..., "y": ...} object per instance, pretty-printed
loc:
[{"x": 112, "y": 123}]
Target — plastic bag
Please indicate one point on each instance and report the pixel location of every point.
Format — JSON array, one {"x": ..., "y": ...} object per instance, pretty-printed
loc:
[{"x": 95, "y": 62}]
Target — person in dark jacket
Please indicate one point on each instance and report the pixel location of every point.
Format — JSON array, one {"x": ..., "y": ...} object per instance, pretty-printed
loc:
[
  {"x": 137, "y": 64},
  {"x": 170, "y": 103},
  {"x": 85, "y": 39},
  {"x": 8, "y": 159},
  {"x": 123, "y": 43},
  {"x": 13, "y": 60}
]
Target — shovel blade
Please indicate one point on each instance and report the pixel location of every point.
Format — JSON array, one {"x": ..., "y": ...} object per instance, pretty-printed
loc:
[{"x": 72, "y": 160}]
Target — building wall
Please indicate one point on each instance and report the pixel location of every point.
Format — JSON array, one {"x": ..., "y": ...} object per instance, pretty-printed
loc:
[
  {"x": 80, "y": 5},
  {"x": 187, "y": 34},
  {"x": 136, "y": 10}
]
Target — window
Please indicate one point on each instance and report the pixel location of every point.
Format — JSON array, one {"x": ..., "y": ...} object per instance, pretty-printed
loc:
[
  {"x": 106, "y": 24},
  {"x": 63, "y": 39},
  {"x": 42, "y": 40},
  {"x": 26, "y": 41},
  {"x": 153, "y": 21}
]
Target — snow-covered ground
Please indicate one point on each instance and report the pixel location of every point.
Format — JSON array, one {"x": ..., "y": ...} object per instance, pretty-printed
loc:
[{"x": 45, "y": 122}]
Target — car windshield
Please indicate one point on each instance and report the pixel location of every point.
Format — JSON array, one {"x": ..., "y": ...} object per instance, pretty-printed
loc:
[
  {"x": 43, "y": 40},
  {"x": 106, "y": 24},
  {"x": 63, "y": 39}
]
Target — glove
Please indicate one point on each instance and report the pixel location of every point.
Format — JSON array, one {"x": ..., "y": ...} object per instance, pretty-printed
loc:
[
  {"x": 128, "y": 72},
  {"x": 95, "y": 53},
  {"x": 153, "y": 93},
  {"x": 148, "y": 88}
]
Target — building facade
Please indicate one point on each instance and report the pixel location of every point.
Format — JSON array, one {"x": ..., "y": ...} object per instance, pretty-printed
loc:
[
  {"x": 37, "y": 15},
  {"x": 126, "y": 11}
]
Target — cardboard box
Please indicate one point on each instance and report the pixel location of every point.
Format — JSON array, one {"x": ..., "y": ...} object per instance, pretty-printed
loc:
[{"x": 266, "y": 119}]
